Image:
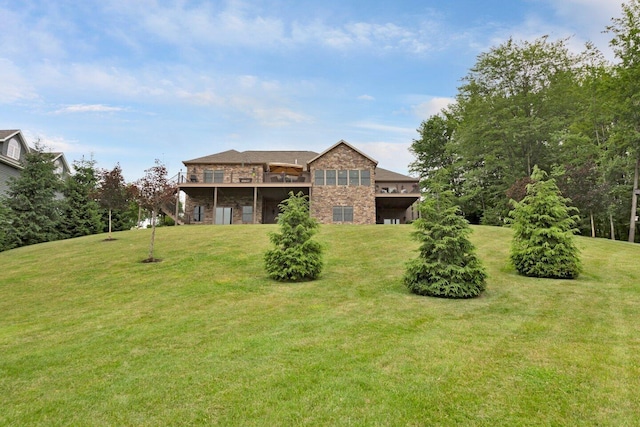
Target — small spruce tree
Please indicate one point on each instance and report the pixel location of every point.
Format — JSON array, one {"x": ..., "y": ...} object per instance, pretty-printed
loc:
[
  {"x": 295, "y": 257},
  {"x": 543, "y": 225},
  {"x": 80, "y": 212},
  {"x": 447, "y": 265}
]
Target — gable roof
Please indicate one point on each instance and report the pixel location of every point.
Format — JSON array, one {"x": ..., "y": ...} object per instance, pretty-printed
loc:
[
  {"x": 343, "y": 142},
  {"x": 7, "y": 135},
  {"x": 255, "y": 157},
  {"x": 65, "y": 166}
]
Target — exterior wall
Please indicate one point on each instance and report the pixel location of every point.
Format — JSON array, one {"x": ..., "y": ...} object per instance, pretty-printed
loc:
[
  {"x": 6, "y": 172},
  {"x": 362, "y": 198},
  {"x": 232, "y": 173},
  {"x": 227, "y": 198},
  {"x": 7, "y": 169}
]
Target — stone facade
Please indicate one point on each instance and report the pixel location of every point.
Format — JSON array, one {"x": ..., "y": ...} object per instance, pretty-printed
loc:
[
  {"x": 232, "y": 174},
  {"x": 360, "y": 197},
  {"x": 233, "y": 198},
  {"x": 341, "y": 183}
]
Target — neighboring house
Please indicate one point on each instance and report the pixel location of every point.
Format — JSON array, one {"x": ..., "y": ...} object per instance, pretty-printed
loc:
[
  {"x": 344, "y": 185},
  {"x": 13, "y": 149}
]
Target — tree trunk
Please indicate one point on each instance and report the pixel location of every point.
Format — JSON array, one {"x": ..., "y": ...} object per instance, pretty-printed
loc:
[
  {"x": 153, "y": 233},
  {"x": 613, "y": 228},
  {"x": 634, "y": 204},
  {"x": 109, "y": 223},
  {"x": 593, "y": 225}
]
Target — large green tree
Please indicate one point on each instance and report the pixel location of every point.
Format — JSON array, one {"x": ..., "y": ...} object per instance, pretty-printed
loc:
[
  {"x": 80, "y": 211},
  {"x": 33, "y": 209},
  {"x": 512, "y": 103},
  {"x": 626, "y": 45}
]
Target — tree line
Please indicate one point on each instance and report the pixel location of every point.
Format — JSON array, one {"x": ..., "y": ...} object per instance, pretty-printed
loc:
[
  {"x": 536, "y": 103},
  {"x": 42, "y": 206}
]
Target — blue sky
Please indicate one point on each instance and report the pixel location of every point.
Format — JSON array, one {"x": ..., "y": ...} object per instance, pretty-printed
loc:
[{"x": 131, "y": 81}]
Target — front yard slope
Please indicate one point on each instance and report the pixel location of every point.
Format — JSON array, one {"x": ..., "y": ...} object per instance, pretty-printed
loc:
[{"x": 89, "y": 335}]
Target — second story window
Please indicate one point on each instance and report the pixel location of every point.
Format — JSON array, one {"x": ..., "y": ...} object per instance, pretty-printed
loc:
[
  {"x": 365, "y": 178},
  {"x": 218, "y": 176},
  {"x": 13, "y": 150},
  {"x": 208, "y": 176},
  {"x": 318, "y": 177},
  {"x": 342, "y": 177}
]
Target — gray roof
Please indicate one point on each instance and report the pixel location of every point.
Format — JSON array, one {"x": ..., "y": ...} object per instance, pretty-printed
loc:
[
  {"x": 4, "y": 134},
  {"x": 235, "y": 157},
  {"x": 256, "y": 157},
  {"x": 384, "y": 175}
]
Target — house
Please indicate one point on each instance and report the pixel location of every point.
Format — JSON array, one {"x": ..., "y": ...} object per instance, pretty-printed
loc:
[
  {"x": 13, "y": 149},
  {"x": 344, "y": 185}
]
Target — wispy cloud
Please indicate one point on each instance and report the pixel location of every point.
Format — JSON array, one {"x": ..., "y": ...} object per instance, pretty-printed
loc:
[
  {"x": 89, "y": 108},
  {"x": 384, "y": 128},
  {"x": 366, "y": 98}
]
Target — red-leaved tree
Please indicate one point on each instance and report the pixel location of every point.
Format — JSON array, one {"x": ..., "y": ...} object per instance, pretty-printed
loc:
[
  {"x": 152, "y": 191},
  {"x": 112, "y": 191}
]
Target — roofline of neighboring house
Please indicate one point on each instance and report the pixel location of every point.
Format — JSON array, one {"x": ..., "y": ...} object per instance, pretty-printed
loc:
[
  {"x": 341, "y": 142},
  {"x": 60, "y": 155},
  {"x": 11, "y": 162},
  {"x": 18, "y": 133}
]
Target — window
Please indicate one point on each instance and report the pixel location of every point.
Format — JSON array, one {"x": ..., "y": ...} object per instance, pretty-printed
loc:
[
  {"x": 247, "y": 214},
  {"x": 218, "y": 176},
  {"x": 13, "y": 150},
  {"x": 365, "y": 178},
  {"x": 391, "y": 221},
  {"x": 198, "y": 213},
  {"x": 354, "y": 177},
  {"x": 331, "y": 177},
  {"x": 208, "y": 176},
  {"x": 343, "y": 214},
  {"x": 342, "y": 177},
  {"x": 318, "y": 177}
]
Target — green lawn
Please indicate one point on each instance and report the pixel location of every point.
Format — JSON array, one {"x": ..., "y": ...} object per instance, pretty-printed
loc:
[{"x": 89, "y": 335}]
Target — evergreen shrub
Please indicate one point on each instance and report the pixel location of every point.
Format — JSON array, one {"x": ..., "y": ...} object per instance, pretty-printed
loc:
[
  {"x": 447, "y": 265},
  {"x": 296, "y": 257},
  {"x": 543, "y": 243}
]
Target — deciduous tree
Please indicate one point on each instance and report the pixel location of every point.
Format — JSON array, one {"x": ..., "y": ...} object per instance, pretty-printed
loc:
[{"x": 152, "y": 191}]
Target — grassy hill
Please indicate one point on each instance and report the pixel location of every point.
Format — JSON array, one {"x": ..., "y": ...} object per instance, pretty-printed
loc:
[{"x": 89, "y": 335}]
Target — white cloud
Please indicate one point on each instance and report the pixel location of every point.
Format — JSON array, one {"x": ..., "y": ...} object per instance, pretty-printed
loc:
[
  {"x": 392, "y": 156},
  {"x": 13, "y": 85},
  {"x": 61, "y": 144},
  {"x": 89, "y": 108},
  {"x": 431, "y": 107},
  {"x": 397, "y": 130},
  {"x": 366, "y": 98}
]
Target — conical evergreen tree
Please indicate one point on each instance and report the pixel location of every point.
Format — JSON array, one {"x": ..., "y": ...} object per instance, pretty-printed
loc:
[
  {"x": 80, "y": 211},
  {"x": 295, "y": 257},
  {"x": 31, "y": 200},
  {"x": 447, "y": 265},
  {"x": 542, "y": 244}
]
